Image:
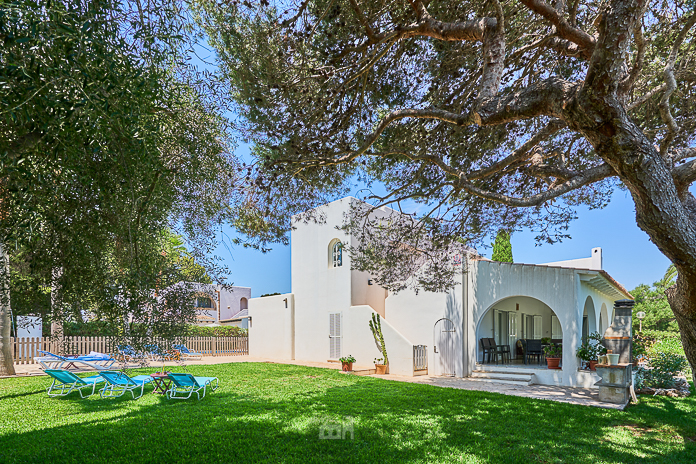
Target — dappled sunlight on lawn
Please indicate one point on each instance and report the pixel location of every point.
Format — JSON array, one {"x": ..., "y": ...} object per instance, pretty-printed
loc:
[{"x": 274, "y": 412}]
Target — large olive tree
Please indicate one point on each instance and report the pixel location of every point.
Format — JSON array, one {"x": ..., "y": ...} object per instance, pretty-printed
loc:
[
  {"x": 491, "y": 113},
  {"x": 106, "y": 143}
]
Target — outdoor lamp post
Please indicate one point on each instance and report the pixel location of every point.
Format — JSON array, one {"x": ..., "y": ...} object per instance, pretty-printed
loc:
[{"x": 640, "y": 315}]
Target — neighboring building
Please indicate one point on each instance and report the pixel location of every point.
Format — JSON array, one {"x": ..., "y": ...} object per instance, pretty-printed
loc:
[
  {"x": 241, "y": 319},
  {"x": 326, "y": 315},
  {"x": 216, "y": 304}
]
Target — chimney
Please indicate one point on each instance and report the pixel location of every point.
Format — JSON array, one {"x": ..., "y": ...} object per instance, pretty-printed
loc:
[
  {"x": 618, "y": 336},
  {"x": 596, "y": 259}
]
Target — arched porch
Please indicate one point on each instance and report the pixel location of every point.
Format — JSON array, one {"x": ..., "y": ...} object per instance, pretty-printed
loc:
[{"x": 518, "y": 318}]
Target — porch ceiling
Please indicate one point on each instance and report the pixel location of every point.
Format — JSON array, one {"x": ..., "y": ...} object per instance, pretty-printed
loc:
[{"x": 600, "y": 283}]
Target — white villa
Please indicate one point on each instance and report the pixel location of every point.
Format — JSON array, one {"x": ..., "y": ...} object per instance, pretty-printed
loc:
[
  {"x": 326, "y": 315},
  {"x": 217, "y": 305}
]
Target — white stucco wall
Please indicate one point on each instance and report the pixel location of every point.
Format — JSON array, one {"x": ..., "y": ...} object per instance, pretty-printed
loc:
[
  {"x": 318, "y": 289},
  {"x": 362, "y": 293},
  {"x": 271, "y": 332},
  {"x": 415, "y": 315},
  {"x": 359, "y": 341},
  {"x": 593, "y": 262},
  {"x": 29, "y": 326}
]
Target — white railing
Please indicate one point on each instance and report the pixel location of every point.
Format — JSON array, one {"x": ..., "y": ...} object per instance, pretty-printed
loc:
[{"x": 25, "y": 349}]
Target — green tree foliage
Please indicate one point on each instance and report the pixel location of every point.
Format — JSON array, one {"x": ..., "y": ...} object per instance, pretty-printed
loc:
[
  {"x": 447, "y": 104},
  {"x": 177, "y": 254},
  {"x": 652, "y": 300},
  {"x": 502, "y": 248},
  {"x": 107, "y": 144}
]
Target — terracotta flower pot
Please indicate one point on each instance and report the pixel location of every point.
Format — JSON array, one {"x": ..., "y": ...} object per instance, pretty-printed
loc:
[
  {"x": 553, "y": 363},
  {"x": 593, "y": 363},
  {"x": 346, "y": 366},
  {"x": 381, "y": 369}
]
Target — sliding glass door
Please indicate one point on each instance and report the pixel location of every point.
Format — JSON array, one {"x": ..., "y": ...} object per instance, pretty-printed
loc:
[{"x": 505, "y": 329}]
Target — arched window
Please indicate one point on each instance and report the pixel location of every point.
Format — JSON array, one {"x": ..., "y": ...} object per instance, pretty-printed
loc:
[
  {"x": 335, "y": 253},
  {"x": 243, "y": 304}
]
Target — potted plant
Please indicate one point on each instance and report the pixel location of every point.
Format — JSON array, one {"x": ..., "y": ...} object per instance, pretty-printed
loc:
[
  {"x": 586, "y": 353},
  {"x": 546, "y": 341},
  {"x": 553, "y": 355},
  {"x": 380, "y": 368},
  {"x": 591, "y": 350},
  {"x": 347, "y": 363},
  {"x": 381, "y": 363}
]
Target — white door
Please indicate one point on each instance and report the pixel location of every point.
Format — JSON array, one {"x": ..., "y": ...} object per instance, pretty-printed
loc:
[
  {"x": 537, "y": 327},
  {"x": 444, "y": 347},
  {"x": 334, "y": 335}
]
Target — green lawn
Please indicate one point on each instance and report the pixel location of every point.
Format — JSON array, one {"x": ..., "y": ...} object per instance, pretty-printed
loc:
[{"x": 273, "y": 413}]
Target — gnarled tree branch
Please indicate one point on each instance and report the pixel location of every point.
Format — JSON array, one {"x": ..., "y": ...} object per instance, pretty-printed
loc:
[
  {"x": 584, "y": 40},
  {"x": 591, "y": 175}
]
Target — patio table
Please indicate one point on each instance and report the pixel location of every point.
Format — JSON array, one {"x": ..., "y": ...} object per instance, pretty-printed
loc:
[{"x": 161, "y": 382}]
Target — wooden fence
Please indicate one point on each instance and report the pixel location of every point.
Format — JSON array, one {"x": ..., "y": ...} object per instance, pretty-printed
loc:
[{"x": 24, "y": 349}]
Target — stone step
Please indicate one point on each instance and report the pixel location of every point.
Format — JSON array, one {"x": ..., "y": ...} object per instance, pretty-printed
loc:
[
  {"x": 510, "y": 380},
  {"x": 521, "y": 383},
  {"x": 511, "y": 370},
  {"x": 522, "y": 377}
]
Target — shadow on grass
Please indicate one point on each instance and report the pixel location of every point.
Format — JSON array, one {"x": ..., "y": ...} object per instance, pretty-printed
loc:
[{"x": 275, "y": 413}]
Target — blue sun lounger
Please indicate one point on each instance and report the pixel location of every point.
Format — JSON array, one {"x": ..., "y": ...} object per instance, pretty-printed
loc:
[
  {"x": 64, "y": 382},
  {"x": 118, "y": 383},
  {"x": 186, "y": 353},
  {"x": 97, "y": 361},
  {"x": 186, "y": 383}
]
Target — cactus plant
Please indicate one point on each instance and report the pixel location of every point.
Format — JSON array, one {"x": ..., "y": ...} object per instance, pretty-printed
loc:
[{"x": 376, "y": 328}]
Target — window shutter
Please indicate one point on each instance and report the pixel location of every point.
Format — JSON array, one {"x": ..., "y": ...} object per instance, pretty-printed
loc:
[{"x": 334, "y": 335}]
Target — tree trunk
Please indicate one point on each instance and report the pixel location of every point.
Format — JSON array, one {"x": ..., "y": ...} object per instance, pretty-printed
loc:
[
  {"x": 57, "y": 335},
  {"x": 6, "y": 361},
  {"x": 682, "y": 300}
]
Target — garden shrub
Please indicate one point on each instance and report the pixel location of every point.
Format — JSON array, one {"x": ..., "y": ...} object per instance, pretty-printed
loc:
[
  {"x": 224, "y": 331},
  {"x": 671, "y": 345},
  {"x": 649, "y": 342},
  {"x": 663, "y": 367}
]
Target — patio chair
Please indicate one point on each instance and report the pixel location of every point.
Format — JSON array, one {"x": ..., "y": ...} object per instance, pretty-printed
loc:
[
  {"x": 502, "y": 350},
  {"x": 127, "y": 352},
  {"x": 65, "y": 380},
  {"x": 486, "y": 349},
  {"x": 68, "y": 362},
  {"x": 49, "y": 360},
  {"x": 186, "y": 383},
  {"x": 118, "y": 383},
  {"x": 494, "y": 351},
  {"x": 154, "y": 353},
  {"x": 101, "y": 359},
  {"x": 532, "y": 349},
  {"x": 186, "y": 353}
]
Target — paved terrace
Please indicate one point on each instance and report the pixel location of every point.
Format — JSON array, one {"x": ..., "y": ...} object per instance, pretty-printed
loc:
[{"x": 581, "y": 396}]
